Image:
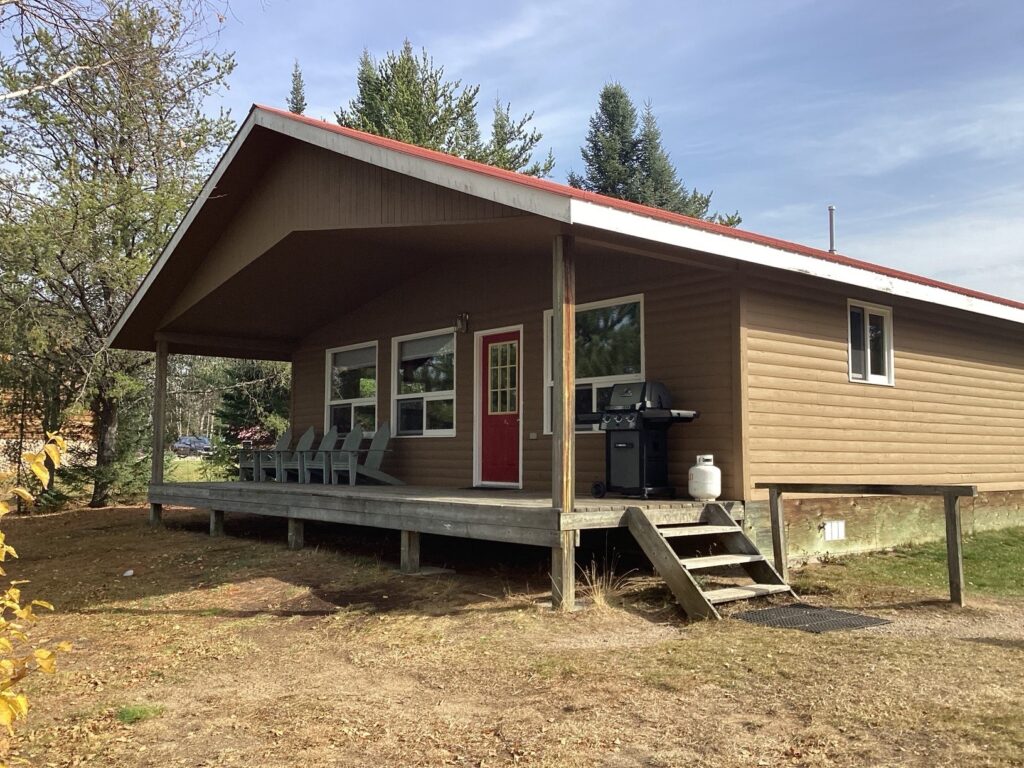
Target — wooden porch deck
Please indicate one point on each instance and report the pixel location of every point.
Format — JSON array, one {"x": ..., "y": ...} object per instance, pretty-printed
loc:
[{"x": 520, "y": 517}]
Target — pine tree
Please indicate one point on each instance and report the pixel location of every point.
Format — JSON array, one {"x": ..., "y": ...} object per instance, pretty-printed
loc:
[
  {"x": 630, "y": 162},
  {"x": 297, "y": 95},
  {"x": 612, "y": 148},
  {"x": 512, "y": 143},
  {"x": 407, "y": 97}
]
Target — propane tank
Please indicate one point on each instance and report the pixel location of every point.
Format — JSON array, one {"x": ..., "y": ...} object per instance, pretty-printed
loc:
[{"x": 705, "y": 479}]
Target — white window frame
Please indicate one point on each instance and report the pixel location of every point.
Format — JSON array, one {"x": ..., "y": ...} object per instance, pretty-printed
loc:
[
  {"x": 867, "y": 308},
  {"x": 425, "y": 396},
  {"x": 355, "y": 401},
  {"x": 597, "y": 382}
]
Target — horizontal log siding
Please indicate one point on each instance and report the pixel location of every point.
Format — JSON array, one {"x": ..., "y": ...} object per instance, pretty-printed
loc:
[
  {"x": 688, "y": 328},
  {"x": 955, "y": 414}
]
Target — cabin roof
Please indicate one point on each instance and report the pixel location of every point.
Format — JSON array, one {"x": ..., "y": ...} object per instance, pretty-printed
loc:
[{"x": 573, "y": 206}]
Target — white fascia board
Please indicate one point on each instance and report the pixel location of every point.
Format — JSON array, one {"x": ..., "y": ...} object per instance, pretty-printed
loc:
[
  {"x": 193, "y": 211},
  {"x": 626, "y": 223},
  {"x": 519, "y": 196}
]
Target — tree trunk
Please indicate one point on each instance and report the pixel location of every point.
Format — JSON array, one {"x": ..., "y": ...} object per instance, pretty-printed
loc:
[{"x": 104, "y": 409}]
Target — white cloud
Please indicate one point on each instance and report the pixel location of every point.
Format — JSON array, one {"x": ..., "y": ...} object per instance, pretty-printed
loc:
[{"x": 981, "y": 247}]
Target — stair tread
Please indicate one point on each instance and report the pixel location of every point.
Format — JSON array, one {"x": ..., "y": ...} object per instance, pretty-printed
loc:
[
  {"x": 717, "y": 561},
  {"x": 697, "y": 530},
  {"x": 728, "y": 594}
]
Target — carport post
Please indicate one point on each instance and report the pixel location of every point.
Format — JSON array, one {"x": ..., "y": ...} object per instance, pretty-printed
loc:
[
  {"x": 159, "y": 399},
  {"x": 563, "y": 417}
]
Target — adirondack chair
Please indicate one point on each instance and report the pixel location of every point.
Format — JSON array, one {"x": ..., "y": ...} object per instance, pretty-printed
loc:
[
  {"x": 289, "y": 459},
  {"x": 369, "y": 468},
  {"x": 250, "y": 461},
  {"x": 319, "y": 460}
]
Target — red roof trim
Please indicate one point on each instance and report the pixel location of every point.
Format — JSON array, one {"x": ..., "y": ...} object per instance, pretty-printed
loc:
[{"x": 564, "y": 190}]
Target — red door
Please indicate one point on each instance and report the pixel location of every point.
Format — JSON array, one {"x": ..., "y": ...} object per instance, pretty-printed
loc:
[{"x": 501, "y": 406}]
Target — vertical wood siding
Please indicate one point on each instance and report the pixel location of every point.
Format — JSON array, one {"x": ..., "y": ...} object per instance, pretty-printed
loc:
[
  {"x": 689, "y": 328},
  {"x": 955, "y": 414}
]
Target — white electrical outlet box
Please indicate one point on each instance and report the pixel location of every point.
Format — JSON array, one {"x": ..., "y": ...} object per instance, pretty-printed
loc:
[{"x": 835, "y": 530}]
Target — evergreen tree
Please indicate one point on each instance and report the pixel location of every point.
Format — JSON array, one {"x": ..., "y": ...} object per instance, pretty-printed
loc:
[
  {"x": 612, "y": 148},
  {"x": 630, "y": 162},
  {"x": 512, "y": 143},
  {"x": 297, "y": 95},
  {"x": 407, "y": 97}
]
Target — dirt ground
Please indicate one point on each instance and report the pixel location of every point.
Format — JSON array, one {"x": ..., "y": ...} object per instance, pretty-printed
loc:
[{"x": 241, "y": 653}]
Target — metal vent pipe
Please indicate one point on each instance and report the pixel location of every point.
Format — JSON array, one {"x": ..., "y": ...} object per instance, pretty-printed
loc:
[{"x": 831, "y": 229}]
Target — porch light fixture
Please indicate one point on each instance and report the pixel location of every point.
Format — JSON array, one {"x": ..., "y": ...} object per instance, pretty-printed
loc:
[{"x": 462, "y": 322}]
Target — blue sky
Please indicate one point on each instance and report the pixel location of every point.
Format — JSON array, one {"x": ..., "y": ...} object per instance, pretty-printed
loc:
[{"x": 908, "y": 116}]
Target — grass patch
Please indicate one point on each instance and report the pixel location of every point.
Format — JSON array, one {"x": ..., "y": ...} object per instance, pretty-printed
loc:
[
  {"x": 136, "y": 713},
  {"x": 993, "y": 564}
]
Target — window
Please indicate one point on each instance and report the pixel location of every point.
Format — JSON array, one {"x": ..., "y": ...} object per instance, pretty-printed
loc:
[
  {"x": 424, "y": 388},
  {"x": 609, "y": 350},
  {"x": 871, "y": 350},
  {"x": 352, "y": 388}
]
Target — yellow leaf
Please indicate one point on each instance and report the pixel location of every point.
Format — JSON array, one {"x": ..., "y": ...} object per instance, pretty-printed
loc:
[
  {"x": 53, "y": 452},
  {"x": 43, "y": 604},
  {"x": 24, "y": 495},
  {"x": 45, "y": 659},
  {"x": 20, "y": 705},
  {"x": 6, "y": 712},
  {"x": 59, "y": 441},
  {"x": 40, "y": 470},
  {"x": 28, "y": 457},
  {"x": 4, "y": 508},
  {"x": 64, "y": 646}
]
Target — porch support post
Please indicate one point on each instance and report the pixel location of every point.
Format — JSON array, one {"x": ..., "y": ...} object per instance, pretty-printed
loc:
[
  {"x": 563, "y": 415},
  {"x": 778, "y": 533},
  {"x": 296, "y": 533},
  {"x": 954, "y": 549},
  {"x": 216, "y": 522},
  {"x": 563, "y": 572},
  {"x": 159, "y": 399},
  {"x": 410, "y": 562}
]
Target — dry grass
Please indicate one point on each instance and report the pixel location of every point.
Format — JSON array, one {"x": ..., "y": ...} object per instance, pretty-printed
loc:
[{"x": 254, "y": 655}]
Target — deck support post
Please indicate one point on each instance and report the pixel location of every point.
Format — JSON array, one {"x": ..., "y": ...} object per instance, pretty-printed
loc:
[
  {"x": 410, "y": 562},
  {"x": 159, "y": 399},
  {"x": 778, "y": 533},
  {"x": 954, "y": 549},
  {"x": 563, "y": 573},
  {"x": 563, "y": 416},
  {"x": 563, "y": 406},
  {"x": 296, "y": 533},
  {"x": 216, "y": 522}
]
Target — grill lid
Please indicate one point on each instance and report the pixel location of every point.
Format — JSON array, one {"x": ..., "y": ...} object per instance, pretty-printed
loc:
[{"x": 639, "y": 396}]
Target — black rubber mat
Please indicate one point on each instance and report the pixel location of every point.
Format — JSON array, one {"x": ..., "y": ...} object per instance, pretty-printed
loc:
[{"x": 808, "y": 618}]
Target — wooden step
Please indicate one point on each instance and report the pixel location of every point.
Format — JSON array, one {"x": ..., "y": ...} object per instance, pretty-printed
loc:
[
  {"x": 717, "y": 561},
  {"x": 697, "y": 530},
  {"x": 728, "y": 594}
]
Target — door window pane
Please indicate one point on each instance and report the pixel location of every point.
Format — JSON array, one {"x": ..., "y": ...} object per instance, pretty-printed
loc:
[{"x": 503, "y": 377}]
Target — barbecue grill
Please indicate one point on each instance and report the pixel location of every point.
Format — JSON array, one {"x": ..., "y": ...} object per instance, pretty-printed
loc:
[{"x": 635, "y": 423}]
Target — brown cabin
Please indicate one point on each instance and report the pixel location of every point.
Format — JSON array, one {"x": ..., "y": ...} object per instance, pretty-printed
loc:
[{"x": 432, "y": 293}]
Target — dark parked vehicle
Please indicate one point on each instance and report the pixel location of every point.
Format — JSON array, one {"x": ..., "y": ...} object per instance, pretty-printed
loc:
[{"x": 192, "y": 446}]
